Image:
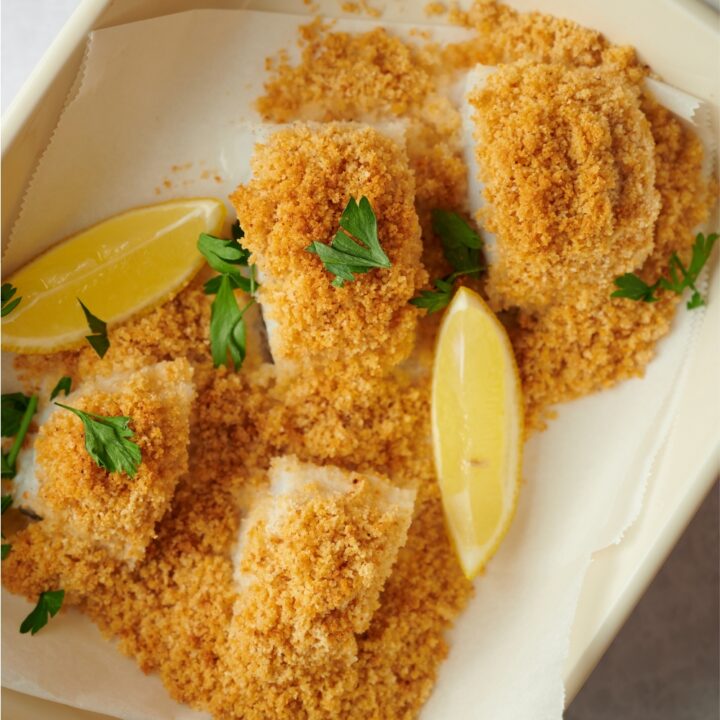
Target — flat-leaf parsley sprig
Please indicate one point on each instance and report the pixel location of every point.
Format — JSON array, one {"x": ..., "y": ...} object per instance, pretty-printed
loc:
[
  {"x": 17, "y": 414},
  {"x": 98, "y": 338},
  {"x": 64, "y": 385},
  {"x": 107, "y": 440},
  {"x": 7, "y": 292},
  {"x": 48, "y": 605},
  {"x": 633, "y": 287},
  {"x": 355, "y": 249},
  {"x": 461, "y": 247},
  {"x": 228, "y": 334}
]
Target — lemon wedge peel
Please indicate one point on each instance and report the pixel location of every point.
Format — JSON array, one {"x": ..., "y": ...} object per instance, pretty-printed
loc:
[
  {"x": 124, "y": 266},
  {"x": 477, "y": 425}
]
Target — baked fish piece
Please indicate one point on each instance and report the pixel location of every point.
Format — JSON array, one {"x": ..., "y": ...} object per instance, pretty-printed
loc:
[
  {"x": 312, "y": 559},
  {"x": 61, "y": 483},
  {"x": 303, "y": 178},
  {"x": 563, "y": 175}
]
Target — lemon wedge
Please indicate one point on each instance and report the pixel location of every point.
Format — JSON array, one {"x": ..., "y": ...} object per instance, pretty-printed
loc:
[
  {"x": 477, "y": 428},
  {"x": 131, "y": 262}
]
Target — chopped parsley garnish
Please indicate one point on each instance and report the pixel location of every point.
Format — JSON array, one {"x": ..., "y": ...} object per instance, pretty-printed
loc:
[
  {"x": 107, "y": 441},
  {"x": 48, "y": 605},
  {"x": 14, "y": 406},
  {"x": 434, "y": 300},
  {"x": 227, "y": 326},
  {"x": 99, "y": 337},
  {"x": 461, "y": 247},
  {"x": 228, "y": 335},
  {"x": 227, "y": 257},
  {"x": 7, "y": 292},
  {"x": 355, "y": 249},
  {"x": 633, "y": 287},
  {"x": 9, "y": 459},
  {"x": 63, "y": 385},
  {"x": 461, "y": 244},
  {"x": 7, "y": 501}
]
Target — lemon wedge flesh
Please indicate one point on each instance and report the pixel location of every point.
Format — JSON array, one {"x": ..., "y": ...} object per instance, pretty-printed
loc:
[
  {"x": 477, "y": 428},
  {"x": 123, "y": 265}
]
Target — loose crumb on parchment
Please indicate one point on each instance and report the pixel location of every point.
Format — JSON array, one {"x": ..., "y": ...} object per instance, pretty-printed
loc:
[{"x": 173, "y": 610}]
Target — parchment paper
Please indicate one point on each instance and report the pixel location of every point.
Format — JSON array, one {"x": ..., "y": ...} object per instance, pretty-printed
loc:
[{"x": 163, "y": 108}]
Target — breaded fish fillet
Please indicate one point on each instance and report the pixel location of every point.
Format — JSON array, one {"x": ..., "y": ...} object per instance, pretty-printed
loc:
[
  {"x": 312, "y": 559},
  {"x": 60, "y": 482},
  {"x": 303, "y": 177},
  {"x": 566, "y": 158}
]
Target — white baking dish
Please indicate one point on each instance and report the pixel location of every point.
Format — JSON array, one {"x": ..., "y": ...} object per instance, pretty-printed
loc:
[{"x": 679, "y": 38}]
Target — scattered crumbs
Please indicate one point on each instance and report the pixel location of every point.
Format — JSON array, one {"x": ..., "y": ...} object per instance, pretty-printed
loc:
[
  {"x": 424, "y": 34},
  {"x": 218, "y": 179},
  {"x": 362, "y": 6},
  {"x": 205, "y": 174},
  {"x": 434, "y": 9},
  {"x": 181, "y": 168},
  {"x": 167, "y": 184}
]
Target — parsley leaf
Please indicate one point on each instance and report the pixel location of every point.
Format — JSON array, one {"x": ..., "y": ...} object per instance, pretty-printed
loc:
[
  {"x": 48, "y": 605},
  {"x": 680, "y": 277},
  {"x": 7, "y": 501},
  {"x": 434, "y": 300},
  {"x": 461, "y": 244},
  {"x": 63, "y": 385},
  {"x": 107, "y": 443},
  {"x": 635, "y": 288},
  {"x": 99, "y": 338},
  {"x": 9, "y": 459},
  {"x": 6, "y": 470},
  {"x": 461, "y": 247},
  {"x": 227, "y": 326},
  {"x": 7, "y": 293},
  {"x": 345, "y": 256},
  {"x": 227, "y": 257},
  {"x": 14, "y": 406}
]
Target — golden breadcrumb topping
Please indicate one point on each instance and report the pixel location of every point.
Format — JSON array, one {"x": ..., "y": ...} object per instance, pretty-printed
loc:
[
  {"x": 506, "y": 35},
  {"x": 114, "y": 509},
  {"x": 566, "y": 157},
  {"x": 587, "y": 341},
  {"x": 314, "y": 555},
  {"x": 173, "y": 611},
  {"x": 318, "y": 88},
  {"x": 390, "y": 79},
  {"x": 303, "y": 178}
]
